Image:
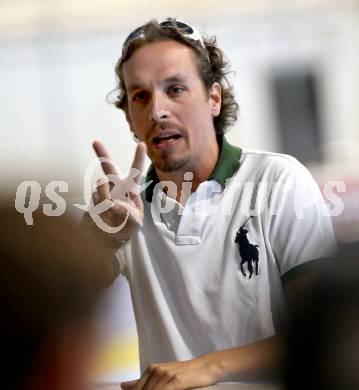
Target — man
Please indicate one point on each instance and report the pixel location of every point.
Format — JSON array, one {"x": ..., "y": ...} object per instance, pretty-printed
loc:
[
  {"x": 50, "y": 281},
  {"x": 208, "y": 274}
]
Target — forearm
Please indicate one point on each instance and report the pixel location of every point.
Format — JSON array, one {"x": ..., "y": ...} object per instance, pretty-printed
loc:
[
  {"x": 111, "y": 267},
  {"x": 256, "y": 361},
  {"x": 260, "y": 360}
]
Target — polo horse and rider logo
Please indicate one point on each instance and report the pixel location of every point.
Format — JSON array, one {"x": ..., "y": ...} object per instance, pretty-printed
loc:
[{"x": 248, "y": 252}]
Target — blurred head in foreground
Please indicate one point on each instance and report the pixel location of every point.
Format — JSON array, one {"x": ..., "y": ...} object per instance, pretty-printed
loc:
[
  {"x": 324, "y": 336},
  {"x": 51, "y": 276}
]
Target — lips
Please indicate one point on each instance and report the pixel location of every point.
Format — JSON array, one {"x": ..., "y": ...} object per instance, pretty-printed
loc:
[{"x": 165, "y": 137}]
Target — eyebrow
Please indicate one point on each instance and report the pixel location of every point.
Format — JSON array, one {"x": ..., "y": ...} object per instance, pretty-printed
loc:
[
  {"x": 131, "y": 87},
  {"x": 173, "y": 79}
]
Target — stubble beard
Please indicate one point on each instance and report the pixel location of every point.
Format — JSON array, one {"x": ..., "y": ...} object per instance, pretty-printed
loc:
[{"x": 167, "y": 163}]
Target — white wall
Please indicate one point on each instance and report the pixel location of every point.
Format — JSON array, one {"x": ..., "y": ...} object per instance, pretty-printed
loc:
[
  {"x": 54, "y": 83},
  {"x": 56, "y": 67}
]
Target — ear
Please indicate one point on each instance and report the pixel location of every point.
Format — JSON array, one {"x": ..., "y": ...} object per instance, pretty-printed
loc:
[{"x": 215, "y": 99}]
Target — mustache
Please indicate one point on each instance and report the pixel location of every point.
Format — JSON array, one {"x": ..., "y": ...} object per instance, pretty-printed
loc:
[{"x": 163, "y": 125}]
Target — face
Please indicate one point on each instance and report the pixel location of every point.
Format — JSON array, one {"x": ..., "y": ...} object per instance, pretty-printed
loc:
[{"x": 169, "y": 108}]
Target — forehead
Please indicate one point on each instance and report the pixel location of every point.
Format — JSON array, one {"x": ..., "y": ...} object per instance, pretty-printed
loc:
[{"x": 157, "y": 61}]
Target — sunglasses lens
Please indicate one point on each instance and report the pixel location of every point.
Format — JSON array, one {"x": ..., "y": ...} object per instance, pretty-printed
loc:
[
  {"x": 183, "y": 26},
  {"x": 133, "y": 35},
  {"x": 188, "y": 29},
  {"x": 166, "y": 23}
]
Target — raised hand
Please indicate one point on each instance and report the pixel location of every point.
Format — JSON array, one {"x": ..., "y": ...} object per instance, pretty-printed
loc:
[{"x": 117, "y": 201}]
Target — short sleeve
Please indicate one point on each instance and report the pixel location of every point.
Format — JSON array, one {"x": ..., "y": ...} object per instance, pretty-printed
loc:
[{"x": 300, "y": 229}]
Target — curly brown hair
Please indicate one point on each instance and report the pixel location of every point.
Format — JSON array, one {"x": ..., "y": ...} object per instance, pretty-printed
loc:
[{"x": 211, "y": 62}]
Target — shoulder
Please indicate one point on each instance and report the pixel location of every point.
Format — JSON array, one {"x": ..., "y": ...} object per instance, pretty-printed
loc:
[
  {"x": 269, "y": 166},
  {"x": 261, "y": 157}
]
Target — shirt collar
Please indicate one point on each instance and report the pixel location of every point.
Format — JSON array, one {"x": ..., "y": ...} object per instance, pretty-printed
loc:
[{"x": 227, "y": 165}]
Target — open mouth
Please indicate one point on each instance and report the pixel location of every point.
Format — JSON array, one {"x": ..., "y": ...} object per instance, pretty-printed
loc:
[{"x": 163, "y": 139}]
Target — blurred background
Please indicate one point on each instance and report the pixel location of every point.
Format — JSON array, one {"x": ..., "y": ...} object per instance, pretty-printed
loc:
[{"x": 296, "y": 77}]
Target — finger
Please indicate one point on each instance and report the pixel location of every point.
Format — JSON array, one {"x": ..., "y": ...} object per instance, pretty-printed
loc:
[
  {"x": 139, "y": 159},
  {"x": 100, "y": 150},
  {"x": 142, "y": 381},
  {"x": 104, "y": 191},
  {"x": 158, "y": 381},
  {"x": 95, "y": 197},
  {"x": 128, "y": 385},
  {"x": 99, "y": 194},
  {"x": 136, "y": 199}
]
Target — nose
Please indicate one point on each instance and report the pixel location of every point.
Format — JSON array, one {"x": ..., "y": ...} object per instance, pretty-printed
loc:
[{"x": 159, "y": 108}]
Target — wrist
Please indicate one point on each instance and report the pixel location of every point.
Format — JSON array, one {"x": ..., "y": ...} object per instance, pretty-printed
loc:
[{"x": 216, "y": 366}]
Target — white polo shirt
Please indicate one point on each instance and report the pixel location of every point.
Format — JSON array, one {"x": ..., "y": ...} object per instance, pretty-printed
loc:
[{"x": 189, "y": 293}]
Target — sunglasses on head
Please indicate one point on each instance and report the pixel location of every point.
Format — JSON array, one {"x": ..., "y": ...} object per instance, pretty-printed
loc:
[{"x": 187, "y": 31}]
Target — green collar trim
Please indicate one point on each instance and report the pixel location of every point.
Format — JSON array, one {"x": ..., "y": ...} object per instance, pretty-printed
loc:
[{"x": 227, "y": 165}]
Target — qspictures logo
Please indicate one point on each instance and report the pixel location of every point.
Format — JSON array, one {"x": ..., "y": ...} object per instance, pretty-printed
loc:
[{"x": 256, "y": 198}]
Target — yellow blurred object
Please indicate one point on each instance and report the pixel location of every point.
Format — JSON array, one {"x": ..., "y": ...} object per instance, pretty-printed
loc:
[{"x": 119, "y": 356}]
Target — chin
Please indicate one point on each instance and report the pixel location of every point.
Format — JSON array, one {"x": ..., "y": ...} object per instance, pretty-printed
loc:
[{"x": 171, "y": 164}]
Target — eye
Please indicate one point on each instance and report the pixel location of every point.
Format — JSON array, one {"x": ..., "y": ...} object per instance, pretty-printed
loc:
[
  {"x": 139, "y": 96},
  {"x": 175, "y": 90}
]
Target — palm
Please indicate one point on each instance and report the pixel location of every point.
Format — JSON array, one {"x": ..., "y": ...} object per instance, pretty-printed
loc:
[{"x": 118, "y": 200}]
